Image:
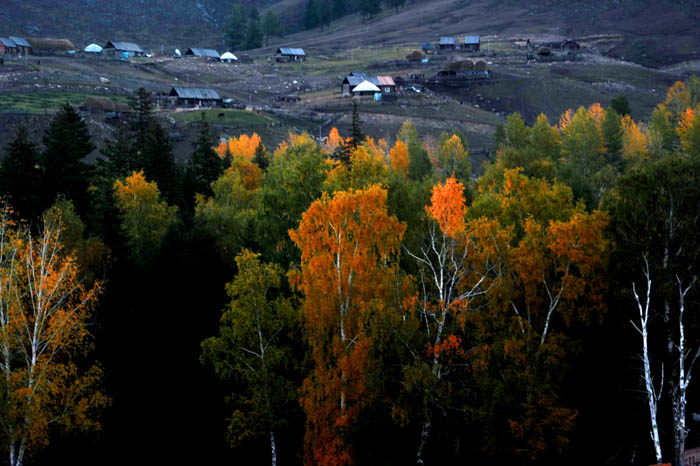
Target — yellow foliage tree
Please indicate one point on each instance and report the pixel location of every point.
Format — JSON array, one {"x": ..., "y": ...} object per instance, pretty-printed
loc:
[
  {"x": 399, "y": 158},
  {"x": 635, "y": 144}
]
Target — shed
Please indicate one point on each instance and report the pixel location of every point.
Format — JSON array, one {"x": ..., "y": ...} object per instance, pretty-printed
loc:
[
  {"x": 472, "y": 43},
  {"x": 93, "y": 48},
  {"x": 7, "y": 46},
  {"x": 23, "y": 47},
  {"x": 365, "y": 88},
  {"x": 119, "y": 48},
  {"x": 447, "y": 43},
  {"x": 206, "y": 53},
  {"x": 228, "y": 57},
  {"x": 195, "y": 96},
  {"x": 285, "y": 54}
]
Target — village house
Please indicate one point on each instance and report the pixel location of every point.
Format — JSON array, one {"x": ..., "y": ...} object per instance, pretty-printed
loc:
[
  {"x": 384, "y": 84},
  {"x": 202, "y": 53},
  {"x": 472, "y": 43},
  {"x": 23, "y": 47},
  {"x": 194, "y": 96},
  {"x": 448, "y": 43},
  {"x": 7, "y": 46},
  {"x": 122, "y": 49},
  {"x": 284, "y": 54}
]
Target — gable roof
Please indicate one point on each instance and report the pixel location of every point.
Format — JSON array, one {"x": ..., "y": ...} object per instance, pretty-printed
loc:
[
  {"x": 195, "y": 93},
  {"x": 355, "y": 79},
  {"x": 8, "y": 43},
  {"x": 469, "y": 40},
  {"x": 385, "y": 81},
  {"x": 447, "y": 41},
  {"x": 123, "y": 46},
  {"x": 21, "y": 41},
  {"x": 197, "y": 52},
  {"x": 366, "y": 86},
  {"x": 291, "y": 51},
  {"x": 228, "y": 56}
]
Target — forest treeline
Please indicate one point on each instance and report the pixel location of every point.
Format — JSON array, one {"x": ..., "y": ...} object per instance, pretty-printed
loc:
[{"x": 360, "y": 301}]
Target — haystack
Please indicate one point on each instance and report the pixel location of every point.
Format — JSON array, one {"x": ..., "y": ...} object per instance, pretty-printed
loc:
[
  {"x": 51, "y": 45},
  {"x": 416, "y": 55},
  {"x": 481, "y": 65},
  {"x": 544, "y": 51},
  {"x": 460, "y": 65}
]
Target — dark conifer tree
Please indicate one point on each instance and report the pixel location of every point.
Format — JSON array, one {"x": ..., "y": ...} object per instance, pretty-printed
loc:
[
  {"x": 261, "y": 157},
  {"x": 20, "y": 175},
  {"x": 621, "y": 104},
  {"x": 67, "y": 142},
  {"x": 236, "y": 28},
  {"x": 254, "y": 33},
  {"x": 357, "y": 135},
  {"x": 120, "y": 156},
  {"x": 205, "y": 165},
  {"x": 612, "y": 137},
  {"x": 159, "y": 163}
]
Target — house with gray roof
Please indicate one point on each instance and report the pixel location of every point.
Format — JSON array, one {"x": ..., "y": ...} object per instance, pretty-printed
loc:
[
  {"x": 447, "y": 43},
  {"x": 123, "y": 49},
  {"x": 472, "y": 43},
  {"x": 285, "y": 54},
  {"x": 202, "y": 53},
  {"x": 7, "y": 46},
  {"x": 194, "y": 96},
  {"x": 23, "y": 47}
]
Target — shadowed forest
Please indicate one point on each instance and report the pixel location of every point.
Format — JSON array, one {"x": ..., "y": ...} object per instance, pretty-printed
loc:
[{"x": 347, "y": 300}]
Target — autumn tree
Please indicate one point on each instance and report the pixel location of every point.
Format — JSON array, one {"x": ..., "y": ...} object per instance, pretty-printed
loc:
[
  {"x": 348, "y": 248},
  {"x": 250, "y": 350},
  {"x": 44, "y": 337},
  {"x": 399, "y": 158},
  {"x": 453, "y": 273},
  {"x": 144, "y": 216},
  {"x": 550, "y": 266},
  {"x": 689, "y": 132},
  {"x": 453, "y": 159}
]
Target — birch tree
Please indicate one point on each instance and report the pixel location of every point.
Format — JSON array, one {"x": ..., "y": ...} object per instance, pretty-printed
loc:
[
  {"x": 250, "y": 349},
  {"x": 44, "y": 312}
]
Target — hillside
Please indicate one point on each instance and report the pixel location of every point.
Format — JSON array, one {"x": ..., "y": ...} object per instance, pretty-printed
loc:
[{"x": 654, "y": 33}]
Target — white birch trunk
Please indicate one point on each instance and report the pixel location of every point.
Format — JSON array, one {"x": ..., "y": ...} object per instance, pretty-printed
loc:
[{"x": 652, "y": 396}]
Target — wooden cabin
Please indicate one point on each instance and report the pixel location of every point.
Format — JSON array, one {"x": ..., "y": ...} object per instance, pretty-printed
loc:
[
  {"x": 285, "y": 54},
  {"x": 194, "y": 96},
  {"x": 122, "y": 49}
]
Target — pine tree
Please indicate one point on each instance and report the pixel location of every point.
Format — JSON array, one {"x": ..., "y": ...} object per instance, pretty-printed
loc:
[
  {"x": 621, "y": 104},
  {"x": 236, "y": 29},
  {"x": 67, "y": 142},
  {"x": 159, "y": 163},
  {"x": 120, "y": 154},
  {"x": 20, "y": 175},
  {"x": 142, "y": 106},
  {"x": 312, "y": 17}
]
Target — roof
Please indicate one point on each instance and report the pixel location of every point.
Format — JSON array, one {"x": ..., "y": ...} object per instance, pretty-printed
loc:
[
  {"x": 447, "y": 41},
  {"x": 354, "y": 80},
  {"x": 21, "y": 41},
  {"x": 472, "y": 40},
  {"x": 7, "y": 42},
  {"x": 202, "y": 52},
  {"x": 123, "y": 46},
  {"x": 228, "y": 56},
  {"x": 366, "y": 86},
  {"x": 93, "y": 48},
  {"x": 195, "y": 93},
  {"x": 291, "y": 51},
  {"x": 386, "y": 81}
]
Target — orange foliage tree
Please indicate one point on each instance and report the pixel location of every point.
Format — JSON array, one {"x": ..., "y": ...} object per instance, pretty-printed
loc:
[
  {"x": 551, "y": 274},
  {"x": 243, "y": 146},
  {"x": 689, "y": 132},
  {"x": 44, "y": 312},
  {"x": 399, "y": 158},
  {"x": 348, "y": 248}
]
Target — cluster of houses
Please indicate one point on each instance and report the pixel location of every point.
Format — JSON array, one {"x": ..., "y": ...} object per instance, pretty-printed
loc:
[
  {"x": 14, "y": 45},
  {"x": 451, "y": 43}
]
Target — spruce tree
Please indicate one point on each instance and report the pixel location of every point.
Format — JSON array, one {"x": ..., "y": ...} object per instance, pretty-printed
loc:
[
  {"x": 236, "y": 28},
  {"x": 357, "y": 136},
  {"x": 67, "y": 143},
  {"x": 120, "y": 156},
  {"x": 20, "y": 175},
  {"x": 312, "y": 17},
  {"x": 205, "y": 165},
  {"x": 261, "y": 157},
  {"x": 621, "y": 104},
  {"x": 159, "y": 163},
  {"x": 271, "y": 26},
  {"x": 253, "y": 34}
]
